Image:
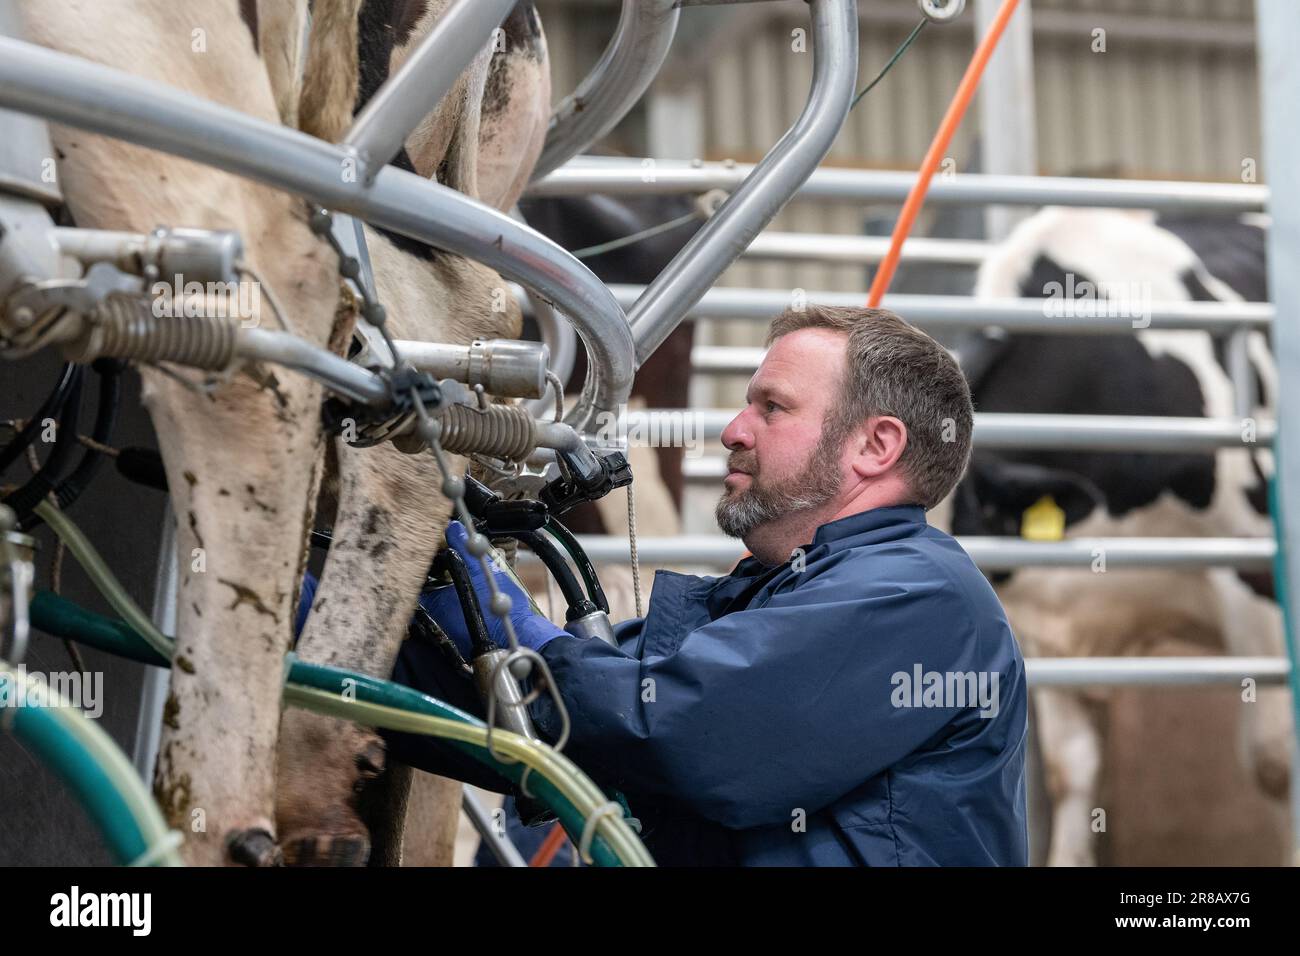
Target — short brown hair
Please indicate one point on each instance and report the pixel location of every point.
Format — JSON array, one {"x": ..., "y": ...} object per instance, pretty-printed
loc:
[{"x": 893, "y": 368}]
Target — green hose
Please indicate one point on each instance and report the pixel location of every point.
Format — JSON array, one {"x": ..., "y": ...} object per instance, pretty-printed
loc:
[
  {"x": 92, "y": 765},
  {"x": 381, "y": 703},
  {"x": 562, "y": 786},
  {"x": 103, "y": 578}
]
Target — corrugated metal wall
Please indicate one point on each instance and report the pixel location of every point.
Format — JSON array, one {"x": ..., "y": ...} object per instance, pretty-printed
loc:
[{"x": 1173, "y": 95}]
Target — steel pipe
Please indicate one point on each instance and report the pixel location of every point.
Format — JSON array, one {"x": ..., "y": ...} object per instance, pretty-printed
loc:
[
  {"x": 766, "y": 190},
  {"x": 964, "y": 312},
  {"x": 1154, "y": 671},
  {"x": 990, "y": 553},
  {"x": 623, "y": 74},
  {"x": 428, "y": 74},
  {"x": 627, "y": 176},
  {"x": 1147, "y": 433},
  {"x": 103, "y": 100},
  {"x": 863, "y": 250},
  {"x": 335, "y": 372}
]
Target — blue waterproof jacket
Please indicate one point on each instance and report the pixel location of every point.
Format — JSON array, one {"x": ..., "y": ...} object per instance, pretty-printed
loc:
[{"x": 861, "y": 704}]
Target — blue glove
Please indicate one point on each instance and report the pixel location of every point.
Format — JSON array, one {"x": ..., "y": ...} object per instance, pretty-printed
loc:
[{"x": 533, "y": 630}]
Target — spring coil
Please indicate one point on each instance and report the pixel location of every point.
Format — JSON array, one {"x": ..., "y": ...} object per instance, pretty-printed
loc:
[
  {"x": 501, "y": 431},
  {"x": 125, "y": 327}
]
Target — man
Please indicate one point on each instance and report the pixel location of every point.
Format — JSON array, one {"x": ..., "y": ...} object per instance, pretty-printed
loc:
[{"x": 851, "y": 694}]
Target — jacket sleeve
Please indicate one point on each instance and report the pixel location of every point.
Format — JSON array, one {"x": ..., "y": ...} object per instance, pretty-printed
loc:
[{"x": 768, "y": 710}]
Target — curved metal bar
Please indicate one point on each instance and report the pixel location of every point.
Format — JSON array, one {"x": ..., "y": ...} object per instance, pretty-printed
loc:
[
  {"x": 380, "y": 129},
  {"x": 563, "y": 342},
  {"x": 774, "y": 180},
  {"x": 103, "y": 100},
  {"x": 626, "y": 69}
]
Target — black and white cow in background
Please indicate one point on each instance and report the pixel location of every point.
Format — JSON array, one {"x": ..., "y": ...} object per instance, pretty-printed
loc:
[{"x": 1066, "y": 612}]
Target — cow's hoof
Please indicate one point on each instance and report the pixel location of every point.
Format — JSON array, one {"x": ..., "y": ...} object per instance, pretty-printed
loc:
[
  {"x": 1274, "y": 777},
  {"x": 255, "y": 847},
  {"x": 324, "y": 764},
  {"x": 328, "y": 849}
]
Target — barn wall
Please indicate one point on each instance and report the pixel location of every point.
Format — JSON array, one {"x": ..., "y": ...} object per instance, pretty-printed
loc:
[
  {"x": 41, "y": 822},
  {"x": 1174, "y": 96}
]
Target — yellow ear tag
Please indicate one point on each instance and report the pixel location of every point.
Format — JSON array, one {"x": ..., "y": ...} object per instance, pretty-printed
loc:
[{"x": 1044, "y": 520}]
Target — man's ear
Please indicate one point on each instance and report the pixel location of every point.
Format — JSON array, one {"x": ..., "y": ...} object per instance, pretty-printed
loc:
[{"x": 879, "y": 445}]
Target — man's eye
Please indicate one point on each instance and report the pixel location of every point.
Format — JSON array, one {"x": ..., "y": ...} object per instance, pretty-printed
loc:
[{"x": 772, "y": 405}]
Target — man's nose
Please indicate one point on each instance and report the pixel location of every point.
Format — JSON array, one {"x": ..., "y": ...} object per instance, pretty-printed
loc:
[{"x": 738, "y": 434}]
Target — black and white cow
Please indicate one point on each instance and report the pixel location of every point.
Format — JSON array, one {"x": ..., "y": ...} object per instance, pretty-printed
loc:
[{"x": 1124, "y": 261}]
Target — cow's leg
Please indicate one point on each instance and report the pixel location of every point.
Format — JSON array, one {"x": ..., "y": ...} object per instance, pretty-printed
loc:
[
  {"x": 482, "y": 140},
  {"x": 242, "y": 463},
  {"x": 391, "y": 514},
  {"x": 1072, "y": 757},
  {"x": 367, "y": 594},
  {"x": 1252, "y": 627}
]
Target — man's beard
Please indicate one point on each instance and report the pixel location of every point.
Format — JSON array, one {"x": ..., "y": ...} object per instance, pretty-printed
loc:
[{"x": 740, "y": 512}]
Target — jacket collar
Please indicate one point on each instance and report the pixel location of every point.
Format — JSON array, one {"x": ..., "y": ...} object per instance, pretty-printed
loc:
[{"x": 874, "y": 519}]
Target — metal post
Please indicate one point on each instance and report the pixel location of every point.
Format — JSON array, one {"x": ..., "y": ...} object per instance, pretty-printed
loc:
[
  {"x": 1279, "y": 75},
  {"x": 501, "y": 847},
  {"x": 1008, "y": 143},
  {"x": 762, "y": 195},
  {"x": 426, "y": 76},
  {"x": 157, "y": 680}
]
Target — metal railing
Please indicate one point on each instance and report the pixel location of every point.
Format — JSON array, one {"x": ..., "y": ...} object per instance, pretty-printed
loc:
[
  {"x": 634, "y": 176},
  {"x": 989, "y": 553},
  {"x": 1007, "y": 430}
]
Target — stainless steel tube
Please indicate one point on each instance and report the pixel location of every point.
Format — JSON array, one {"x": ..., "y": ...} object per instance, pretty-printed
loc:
[
  {"x": 625, "y": 70},
  {"x": 964, "y": 312},
  {"x": 990, "y": 553},
  {"x": 336, "y": 372},
  {"x": 89, "y": 96},
  {"x": 627, "y": 176},
  {"x": 774, "y": 180},
  {"x": 427, "y": 75}
]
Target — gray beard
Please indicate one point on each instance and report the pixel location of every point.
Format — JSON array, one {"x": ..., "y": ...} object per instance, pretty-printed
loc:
[{"x": 739, "y": 513}]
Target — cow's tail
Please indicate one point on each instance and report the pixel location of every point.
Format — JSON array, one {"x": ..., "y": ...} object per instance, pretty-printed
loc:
[
  {"x": 281, "y": 31},
  {"x": 331, "y": 73}
]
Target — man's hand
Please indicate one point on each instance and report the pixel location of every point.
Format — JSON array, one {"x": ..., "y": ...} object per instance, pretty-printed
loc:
[{"x": 533, "y": 630}]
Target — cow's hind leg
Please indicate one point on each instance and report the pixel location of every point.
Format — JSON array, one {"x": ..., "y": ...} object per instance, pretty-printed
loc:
[
  {"x": 367, "y": 594},
  {"x": 1072, "y": 755},
  {"x": 1252, "y": 627}
]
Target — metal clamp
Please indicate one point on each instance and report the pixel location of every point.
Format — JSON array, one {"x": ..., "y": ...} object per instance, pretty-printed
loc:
[
  {"x": 589, "y": 828},
  {"x": 941, "y": 11}
]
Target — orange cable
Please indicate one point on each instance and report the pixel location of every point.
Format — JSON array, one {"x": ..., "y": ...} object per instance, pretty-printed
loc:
[
  {"x": 550, "y": 846},
  {"x": 938, "y": 146}
]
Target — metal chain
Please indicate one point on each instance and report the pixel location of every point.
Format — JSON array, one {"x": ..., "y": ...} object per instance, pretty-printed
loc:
[
  {"x": 521, "y": 661},
  {"x": 631, "y": 540}
]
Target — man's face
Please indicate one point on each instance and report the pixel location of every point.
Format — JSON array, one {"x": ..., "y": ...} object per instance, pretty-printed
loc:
[{"x": 781, "y": 462}]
